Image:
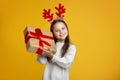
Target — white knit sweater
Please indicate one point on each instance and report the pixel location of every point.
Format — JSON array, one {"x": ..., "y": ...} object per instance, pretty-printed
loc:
[{"x": 58, "y": 69}]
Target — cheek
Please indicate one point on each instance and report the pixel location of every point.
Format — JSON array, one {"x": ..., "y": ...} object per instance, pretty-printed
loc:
[
  {"x": 66, "y": 31},
  {"x": 56, "y": 34}
]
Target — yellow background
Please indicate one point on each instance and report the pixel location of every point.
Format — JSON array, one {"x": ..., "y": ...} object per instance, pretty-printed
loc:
[{"x": 94, "y": 27}]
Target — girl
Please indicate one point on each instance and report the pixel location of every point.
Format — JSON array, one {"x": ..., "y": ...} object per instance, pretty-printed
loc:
[{"x": 58, "y": 64}]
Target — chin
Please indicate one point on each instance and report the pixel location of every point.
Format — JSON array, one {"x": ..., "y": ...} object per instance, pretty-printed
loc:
[{"x": 61, "y": 39}]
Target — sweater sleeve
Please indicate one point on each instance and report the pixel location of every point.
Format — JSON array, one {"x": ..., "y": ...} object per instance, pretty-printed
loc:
[
  {"x": 41, "y": 59},
  {"x": 66, "y": 61}
]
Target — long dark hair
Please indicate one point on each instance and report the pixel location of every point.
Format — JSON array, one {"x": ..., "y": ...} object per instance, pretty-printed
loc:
[{"x": 67, "y": 40}]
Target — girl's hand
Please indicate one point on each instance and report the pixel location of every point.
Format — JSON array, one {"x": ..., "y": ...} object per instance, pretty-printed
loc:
[{"x": 48, "y": 52}]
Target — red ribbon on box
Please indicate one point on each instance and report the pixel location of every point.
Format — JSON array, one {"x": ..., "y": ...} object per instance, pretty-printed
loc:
[{"x": 38, "y": 35}]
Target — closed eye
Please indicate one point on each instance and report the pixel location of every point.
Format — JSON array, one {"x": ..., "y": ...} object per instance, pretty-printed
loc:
[
  {"x": 63, "y": 28},
  {"x": 56, "y": 30}
]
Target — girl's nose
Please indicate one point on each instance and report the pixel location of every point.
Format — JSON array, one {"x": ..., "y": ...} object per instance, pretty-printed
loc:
[{"x": 61, "y": 31}]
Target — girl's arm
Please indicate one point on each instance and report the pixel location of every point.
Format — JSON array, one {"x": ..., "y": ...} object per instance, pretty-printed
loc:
[
  {"x": 66, "y": 61},
  {"x": 41, "y": 59}
]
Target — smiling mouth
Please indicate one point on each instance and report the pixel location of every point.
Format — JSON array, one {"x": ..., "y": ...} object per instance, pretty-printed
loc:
[{"x": 62, "y": 35}]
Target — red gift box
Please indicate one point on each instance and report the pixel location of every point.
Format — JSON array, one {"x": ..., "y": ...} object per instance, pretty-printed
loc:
[{"x": 37, "y": 40}]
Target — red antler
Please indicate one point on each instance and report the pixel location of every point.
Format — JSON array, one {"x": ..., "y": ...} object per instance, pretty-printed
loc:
[
  {"x": 46, "y": 14},
  {"x": 60, "y": 10}
]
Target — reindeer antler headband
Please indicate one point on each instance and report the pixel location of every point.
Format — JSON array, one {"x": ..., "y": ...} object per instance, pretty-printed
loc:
[{"x": 49, "y": 16}]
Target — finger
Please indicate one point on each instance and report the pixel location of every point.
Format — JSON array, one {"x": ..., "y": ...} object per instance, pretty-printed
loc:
[
  {"x": 46, "y": 51},
  {"x": 43, "y": 54},
  {"x": 46, "y": 48}
]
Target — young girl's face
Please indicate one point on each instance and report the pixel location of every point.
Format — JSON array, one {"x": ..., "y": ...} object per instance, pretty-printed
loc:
[{"x": 60, "y": 31}]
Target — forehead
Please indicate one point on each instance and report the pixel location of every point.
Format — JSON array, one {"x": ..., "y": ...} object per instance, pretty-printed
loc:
[{"x": 59, "y": 25}]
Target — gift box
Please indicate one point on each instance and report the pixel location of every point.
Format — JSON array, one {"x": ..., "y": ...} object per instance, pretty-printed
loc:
[{"x": 37, "y": 40}]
